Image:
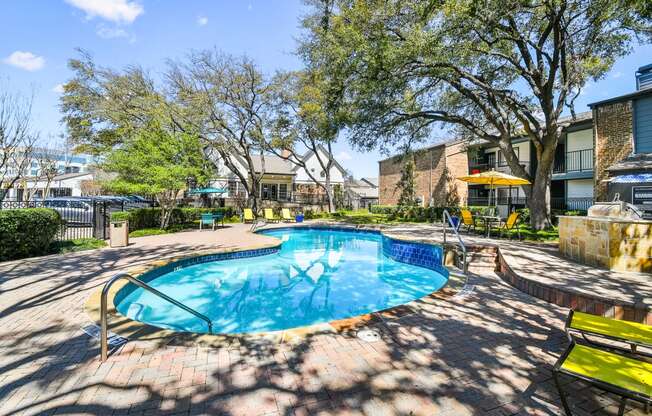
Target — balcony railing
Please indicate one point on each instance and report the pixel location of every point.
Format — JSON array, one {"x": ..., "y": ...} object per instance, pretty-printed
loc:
[
  {"x": 575, "y": 161},
  {"x": 500, "y": 166},
  {"x": 557, "y": 204}
]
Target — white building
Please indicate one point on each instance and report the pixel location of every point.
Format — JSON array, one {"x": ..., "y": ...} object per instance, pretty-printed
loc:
[{"x": 283, "y": 181}]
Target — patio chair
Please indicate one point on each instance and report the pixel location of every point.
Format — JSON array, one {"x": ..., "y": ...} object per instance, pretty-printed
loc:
[
  {"x": 510, "y": 224},
  {"x": 269, "y": 215},
  {"x": 285, "y": 214},
  {"x": 248, "y": 215},
  {"x": 621, "y": 375},
  {"x": 595, "y": 330},
  {"x": 467, "y": 220},
  {"x": 219, "y": 217},
  {"x": 206, "y": 219}
]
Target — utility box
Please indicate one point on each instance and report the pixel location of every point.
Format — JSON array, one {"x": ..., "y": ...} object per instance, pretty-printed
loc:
[{"x": 119, "y": 233}]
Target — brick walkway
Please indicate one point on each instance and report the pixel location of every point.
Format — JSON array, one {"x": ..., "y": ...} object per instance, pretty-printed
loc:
[{"x": 488, "y": 352}]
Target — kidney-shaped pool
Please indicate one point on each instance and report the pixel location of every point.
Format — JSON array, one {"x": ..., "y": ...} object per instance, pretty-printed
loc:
[{"x": 318, "y": 275}]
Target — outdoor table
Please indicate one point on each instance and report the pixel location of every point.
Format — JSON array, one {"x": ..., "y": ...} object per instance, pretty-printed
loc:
[{"x": 488, "y": 220}]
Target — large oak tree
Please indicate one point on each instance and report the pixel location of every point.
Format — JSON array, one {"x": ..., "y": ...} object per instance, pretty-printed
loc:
[{"x": 491, "y": 69}]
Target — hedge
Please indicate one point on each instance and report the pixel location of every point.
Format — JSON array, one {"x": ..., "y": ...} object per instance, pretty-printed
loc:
[
  {"x": 27, "y": 232},
  {"x": 141, "y": 218}
]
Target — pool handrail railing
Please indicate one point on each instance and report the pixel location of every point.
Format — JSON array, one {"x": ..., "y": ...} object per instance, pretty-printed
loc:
[
  {"x": 104, "y": 343},
  {"x": 446, "y": 217}
]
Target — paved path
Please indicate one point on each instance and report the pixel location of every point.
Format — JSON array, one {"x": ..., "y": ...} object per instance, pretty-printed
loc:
[{"x": 488, "y": 352}]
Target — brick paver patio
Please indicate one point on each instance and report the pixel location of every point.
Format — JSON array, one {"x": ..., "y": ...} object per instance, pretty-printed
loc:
[{"x": 487, "y": 351}]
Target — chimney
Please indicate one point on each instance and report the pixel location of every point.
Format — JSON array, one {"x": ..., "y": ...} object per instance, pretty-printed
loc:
[{"x": 644, "y": 77}]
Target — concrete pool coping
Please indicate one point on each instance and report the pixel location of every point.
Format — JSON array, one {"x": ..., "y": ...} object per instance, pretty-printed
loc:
[{"x": 139, "y": 331}]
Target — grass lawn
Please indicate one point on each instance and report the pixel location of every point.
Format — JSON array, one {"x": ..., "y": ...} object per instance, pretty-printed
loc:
[{"x": 79, "y": 244}]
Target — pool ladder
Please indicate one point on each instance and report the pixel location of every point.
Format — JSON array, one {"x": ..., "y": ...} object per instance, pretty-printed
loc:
[
  {"x": 104, "y": 342},
  {"x": 446, "y": 217},
  {"x": 256, "y": 224}
]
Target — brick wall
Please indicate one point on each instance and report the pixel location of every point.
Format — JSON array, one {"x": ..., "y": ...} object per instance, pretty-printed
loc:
[
  {"x": 613, "y": 140},
  {"x": 431, "y": 179}
]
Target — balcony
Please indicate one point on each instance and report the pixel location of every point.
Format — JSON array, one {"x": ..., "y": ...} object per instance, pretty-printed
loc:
[
  {"x": 575, "y": 161},
  {"x": 500, "y": 166}
]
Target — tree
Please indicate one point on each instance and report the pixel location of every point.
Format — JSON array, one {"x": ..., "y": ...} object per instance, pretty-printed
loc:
[
  {"x": 302, "y": 123},
  {"x": 493, "y": 70},
  {"x": 406, "y": 184},
  {"x": 16, "y": 138},
  {"x": 49, "y": 159},
  {"x": 227, "y": 101},
  {"x": 156, "y": 161}
]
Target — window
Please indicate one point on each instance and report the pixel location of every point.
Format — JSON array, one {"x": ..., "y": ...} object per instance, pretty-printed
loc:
[
  {"x": 233, "y": 188},
  {"x": 643, "y": 125},
  {"x": 283, "y": 192}
]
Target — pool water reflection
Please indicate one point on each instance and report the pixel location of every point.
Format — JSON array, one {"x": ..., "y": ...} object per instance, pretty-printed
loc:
[{"x": 317, "y": 276}]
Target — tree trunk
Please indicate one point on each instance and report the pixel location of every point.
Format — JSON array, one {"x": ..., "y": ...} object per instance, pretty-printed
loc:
[{"x": 539, "y": 195}]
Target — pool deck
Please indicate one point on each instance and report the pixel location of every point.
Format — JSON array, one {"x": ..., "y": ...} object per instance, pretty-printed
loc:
[{"x": 486, "y": 350}]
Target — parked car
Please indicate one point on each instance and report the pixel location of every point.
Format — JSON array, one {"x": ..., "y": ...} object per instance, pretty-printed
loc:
[{"x": 74, "y": 211}]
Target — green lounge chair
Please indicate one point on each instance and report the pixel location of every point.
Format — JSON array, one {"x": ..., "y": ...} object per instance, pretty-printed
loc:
[
  {"x": 589, "y": 327},
  {"x": 624, "y": 376}
]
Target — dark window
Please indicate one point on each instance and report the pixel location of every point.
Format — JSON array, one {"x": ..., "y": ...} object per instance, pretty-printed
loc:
[
  {"x": 643, "y": 125},
  {"x": 283, "y": 191}
]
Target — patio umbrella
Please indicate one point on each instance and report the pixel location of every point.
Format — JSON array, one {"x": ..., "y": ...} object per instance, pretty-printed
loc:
[
  {"x": 493, "y": 178},
  {"x": 208, "y": 191}
]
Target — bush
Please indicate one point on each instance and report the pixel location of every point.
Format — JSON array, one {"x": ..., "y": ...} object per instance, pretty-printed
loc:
[
  {"x": 413, "y": 214},
  {"x": 27, "y": 232},
  {"x": 145, "y": 218}
]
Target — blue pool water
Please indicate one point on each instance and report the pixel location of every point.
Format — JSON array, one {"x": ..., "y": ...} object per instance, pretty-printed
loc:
[{"x": 318, "y": 275}]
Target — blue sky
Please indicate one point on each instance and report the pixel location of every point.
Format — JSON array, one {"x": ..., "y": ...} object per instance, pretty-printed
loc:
[{"x": 38, "y": 37}]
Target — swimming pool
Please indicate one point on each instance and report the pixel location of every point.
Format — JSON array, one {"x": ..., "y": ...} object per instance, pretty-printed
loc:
[{"x": 317, "y": 275}]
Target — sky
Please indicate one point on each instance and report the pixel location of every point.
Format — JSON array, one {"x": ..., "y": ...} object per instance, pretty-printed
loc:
[{"x": 38, "y": 37}]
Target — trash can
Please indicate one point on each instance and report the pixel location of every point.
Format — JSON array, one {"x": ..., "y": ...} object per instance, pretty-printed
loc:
[{"x": 119, "y": 233}]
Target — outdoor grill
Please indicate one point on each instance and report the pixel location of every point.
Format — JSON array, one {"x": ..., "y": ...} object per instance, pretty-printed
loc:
[{"x": 615, "y": 209}]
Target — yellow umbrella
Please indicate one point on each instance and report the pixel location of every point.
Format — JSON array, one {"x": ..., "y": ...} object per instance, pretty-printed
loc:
[{"x": 493, "y": 178}]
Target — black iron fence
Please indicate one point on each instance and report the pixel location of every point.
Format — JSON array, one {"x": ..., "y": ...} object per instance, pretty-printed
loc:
[
  {"x": 80, "y": 218},
  {"x": 557, "y": 204}
]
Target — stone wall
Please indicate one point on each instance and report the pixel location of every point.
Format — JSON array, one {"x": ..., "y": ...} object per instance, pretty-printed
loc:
[
  {"x": 614, "y": 140},
  {"x": 435, "y": 173},
  {"x": 614, "y": 244}
]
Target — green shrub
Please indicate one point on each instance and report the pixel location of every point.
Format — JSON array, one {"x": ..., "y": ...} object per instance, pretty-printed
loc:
[
  {"x": 27, "y": 232},
  {"x": 145, "y": 218}
]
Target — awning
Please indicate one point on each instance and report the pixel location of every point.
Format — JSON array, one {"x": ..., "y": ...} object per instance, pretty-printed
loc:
[
  {"x": 631, "y": 178},
  {"x": 208, "y": 191}
]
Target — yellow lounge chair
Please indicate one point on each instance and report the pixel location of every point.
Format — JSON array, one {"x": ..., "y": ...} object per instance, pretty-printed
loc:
[
  {"x": 587, "y": 325},
  {"x": 285, "y": 214},
  {"x": 248, "y": 215},
  {"x": 467, "y": 220},
  {"x": 626, "y": 377},
  {"x": 510, "y": 224},
  {"x": 269, "y": 215}
]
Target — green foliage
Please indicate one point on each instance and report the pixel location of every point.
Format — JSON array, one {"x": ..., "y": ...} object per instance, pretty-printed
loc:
[
  {"x": 147, "y": 218},
  {"x": 413, "y": 214},
  {"x": 27, "y": 232},
  {"x": 407, "y": 186},
  {"x": 78, "y": 244}
]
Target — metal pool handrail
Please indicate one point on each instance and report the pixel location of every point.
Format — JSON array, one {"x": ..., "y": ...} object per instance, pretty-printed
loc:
[
  {"x": 447, "y": 216},
  {"x": 256, "y": 223},
  {"x": 104, "y": 308}
]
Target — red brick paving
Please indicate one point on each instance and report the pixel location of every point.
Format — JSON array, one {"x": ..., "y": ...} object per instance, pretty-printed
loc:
[{"x": 487, "y": 353}]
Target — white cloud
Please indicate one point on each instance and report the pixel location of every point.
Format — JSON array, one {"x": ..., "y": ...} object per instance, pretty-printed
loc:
[
  {"x": 617, "y": 74},
  {"x": 202, "y": 20},
  {"x": 25, "y": 60},
  {"x": 343, "y": 156},
  {"x": 58, "y": 89},
  {"x": 111, "y": 32},
  {"x": 118, "y": 11}
]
